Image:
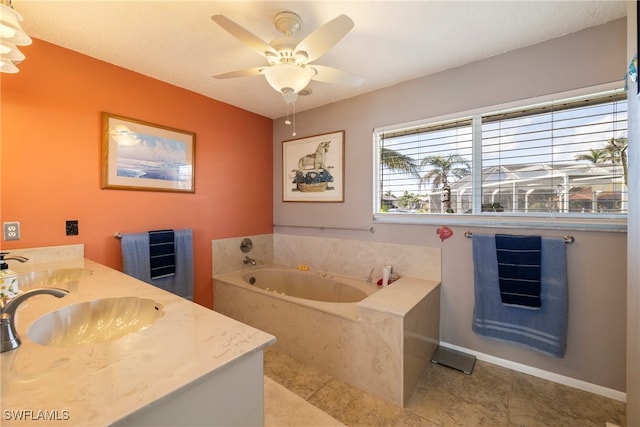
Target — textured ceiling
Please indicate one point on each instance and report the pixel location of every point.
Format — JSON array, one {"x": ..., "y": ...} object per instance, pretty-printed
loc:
[{"x": 392, "y": 41}]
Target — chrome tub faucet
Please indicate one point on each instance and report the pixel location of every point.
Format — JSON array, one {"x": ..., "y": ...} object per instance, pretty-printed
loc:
[
  {"x": 248, "y": 260},
  {"x": 370, "y": 278}
]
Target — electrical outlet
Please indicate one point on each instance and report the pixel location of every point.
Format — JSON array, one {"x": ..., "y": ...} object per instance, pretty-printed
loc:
[
  {"x": 11, "y": 230},
  {"x": 72, "y": 228}
]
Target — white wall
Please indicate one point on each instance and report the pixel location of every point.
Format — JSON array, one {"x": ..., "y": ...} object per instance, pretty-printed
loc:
[
  {"x": 633, "y": 272},
  {"x": 597, "y": 261}
]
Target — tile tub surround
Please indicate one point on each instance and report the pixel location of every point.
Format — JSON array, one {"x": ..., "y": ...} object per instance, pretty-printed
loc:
[
  {"x": 190, "y": 346},
  {"x": 382, "y": 344},
  {"x": 356, "y": 258},
  {"x": 227, "y": 256},
  {"x": 351, "y": 258}
]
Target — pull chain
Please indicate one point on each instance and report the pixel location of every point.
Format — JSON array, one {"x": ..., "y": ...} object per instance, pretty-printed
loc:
[
  {"x": 294, "y": 119},
  {"x": 287, "y": 121}
]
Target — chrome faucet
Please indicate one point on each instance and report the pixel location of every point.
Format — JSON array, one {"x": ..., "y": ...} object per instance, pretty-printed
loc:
[
  {"x": 10, "y": 338},
  {"x": 14, "y": 257},
  {"x": 248, "y": 260},
  {"x": 370, "y": 278}
]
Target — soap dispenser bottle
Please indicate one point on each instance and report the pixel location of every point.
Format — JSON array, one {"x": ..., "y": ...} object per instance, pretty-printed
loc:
[{"x": 8, "y": 279}]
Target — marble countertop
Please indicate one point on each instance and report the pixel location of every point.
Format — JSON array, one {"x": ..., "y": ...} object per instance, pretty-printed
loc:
[
  {"x": 96, "y": 385},
  {"x": 400, "y": 297}
]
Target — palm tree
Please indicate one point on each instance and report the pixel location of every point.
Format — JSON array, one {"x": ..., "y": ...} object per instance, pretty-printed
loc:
[
  {"x": 616, "y": 152},
  {"x": 595, "y": 156},
  {"x": 409, "y": 201},
  {"x": 398, "y": 162},
  {"x": 442, "y": 170}
]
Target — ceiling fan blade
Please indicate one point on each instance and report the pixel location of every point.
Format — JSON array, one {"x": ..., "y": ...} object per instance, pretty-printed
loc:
[
  {"x": 333, "y": 75},
  {"x": 248, "y": 72},
  {"x": 252, "y": 41},
  {"x": 321, "y": 40}
]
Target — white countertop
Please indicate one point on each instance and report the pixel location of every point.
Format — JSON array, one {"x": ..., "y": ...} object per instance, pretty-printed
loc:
[{"x": 96, "y": 385}]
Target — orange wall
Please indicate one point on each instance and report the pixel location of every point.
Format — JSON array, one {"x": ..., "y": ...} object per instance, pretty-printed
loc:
[{"x": 51, "y": 160}]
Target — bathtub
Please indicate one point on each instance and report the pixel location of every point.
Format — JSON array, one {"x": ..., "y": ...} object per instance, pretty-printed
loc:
[
  {"x": 306, "y": 285},
  {"x": 325, "y": 292},
  {"x": 377, "y": 339}
]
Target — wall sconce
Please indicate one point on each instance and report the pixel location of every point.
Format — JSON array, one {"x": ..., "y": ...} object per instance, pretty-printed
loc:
[{"x": 11, "y": 35}]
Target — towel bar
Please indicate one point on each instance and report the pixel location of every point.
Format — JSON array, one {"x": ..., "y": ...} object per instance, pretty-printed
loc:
[
  {"x": 322, "y": 227},
  {"x": 567, "y": 238},
  {"x": 117, "y": 235}
]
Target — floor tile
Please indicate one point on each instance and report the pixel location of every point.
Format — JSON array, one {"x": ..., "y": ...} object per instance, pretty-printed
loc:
[
  {"x": 490, "y": 396},
  {"x": 283, "y": 408},
  {"x": 449, "y": 397},
  {"x": 300, "y": 379},
  {"x": 536, "y": 402}
]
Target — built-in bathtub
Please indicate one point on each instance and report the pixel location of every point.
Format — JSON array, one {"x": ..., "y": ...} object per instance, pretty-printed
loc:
[
  {"x": 331, "y": 294},
  {"x": 308, "y": 285},
  {"x": 378, "y": 339}
]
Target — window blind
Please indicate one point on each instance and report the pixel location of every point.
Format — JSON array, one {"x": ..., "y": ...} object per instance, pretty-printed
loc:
[
  {"x": 417, "y": 165},
  {"x": 564, "y": 157}
]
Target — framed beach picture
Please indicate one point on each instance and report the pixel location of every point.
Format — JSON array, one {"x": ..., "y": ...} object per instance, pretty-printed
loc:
[
  {"x": 313, "y": 168},
  {"x": 137, "y": 155}
]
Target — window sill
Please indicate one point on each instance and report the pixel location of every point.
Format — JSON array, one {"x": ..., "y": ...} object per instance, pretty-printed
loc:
[{"x": 551, "y": 222}]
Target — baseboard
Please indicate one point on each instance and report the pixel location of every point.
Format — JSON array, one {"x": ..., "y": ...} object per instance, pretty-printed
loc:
[{"x": 550, "y": 376}]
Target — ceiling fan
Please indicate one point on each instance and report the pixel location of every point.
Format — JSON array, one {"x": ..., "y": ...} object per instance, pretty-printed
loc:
[{"x": 290, "y": 61}]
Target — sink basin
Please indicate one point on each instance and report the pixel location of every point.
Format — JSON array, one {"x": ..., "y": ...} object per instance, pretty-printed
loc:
[
  {"x": 48, "y": 278},
  {"x": 95, "y": 322}
]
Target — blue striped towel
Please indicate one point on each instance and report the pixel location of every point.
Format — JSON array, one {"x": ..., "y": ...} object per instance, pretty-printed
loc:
[
  {"x": 135, "y": 262},
  {"x": 162, "y": 253},
  {"x": 544, "y": 330},
  {"x": 519, "y": 270}
]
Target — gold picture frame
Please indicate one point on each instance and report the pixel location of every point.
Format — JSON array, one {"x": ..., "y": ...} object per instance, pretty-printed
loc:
[
  {"x": 313, "y": 168},
  {"x": 138, "y": 155}
]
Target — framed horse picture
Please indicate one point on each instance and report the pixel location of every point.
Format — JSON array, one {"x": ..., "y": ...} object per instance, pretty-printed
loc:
[{"x": 313, "y": 168}]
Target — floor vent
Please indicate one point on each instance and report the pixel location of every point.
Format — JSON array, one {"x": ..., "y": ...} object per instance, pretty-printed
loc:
[{"x": 454, "y": 359}]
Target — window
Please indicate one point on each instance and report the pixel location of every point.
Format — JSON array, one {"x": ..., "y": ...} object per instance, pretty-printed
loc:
[
  {"x": 418, "y": 166},
  {"x": 564, "y": 158}
]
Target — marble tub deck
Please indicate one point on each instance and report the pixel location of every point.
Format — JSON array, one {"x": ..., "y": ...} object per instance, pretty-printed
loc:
[{"x": 491, "y": 396}]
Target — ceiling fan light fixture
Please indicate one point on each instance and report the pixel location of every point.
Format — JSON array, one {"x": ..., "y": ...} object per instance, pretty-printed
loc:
[
  {"x": 8, "y": 67},
  {"x": 9, "y": 52},
  {"x": 301, "y": 57},
  {"x": 287, "y": 78},
  {"x": 11, "y": 35},
  {"x": 289, "y": 96},
  {"x": 10, "y": 30},
  {"x": 272, "y": 58},
  {"x": 288, "y": 23}
]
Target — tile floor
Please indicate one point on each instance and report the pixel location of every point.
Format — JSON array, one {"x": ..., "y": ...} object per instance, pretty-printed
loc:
[{"x": 490, "y": 396}]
